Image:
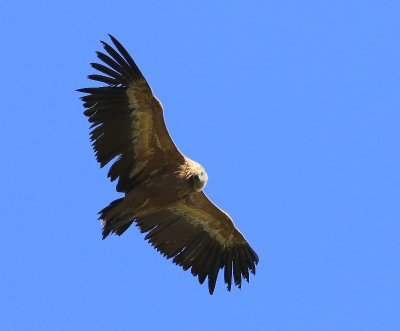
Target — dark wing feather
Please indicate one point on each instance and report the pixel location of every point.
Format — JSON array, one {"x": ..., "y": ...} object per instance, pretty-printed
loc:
[
  {"x": 201, "y": 237},
  {"x": 127, "y": 120}
]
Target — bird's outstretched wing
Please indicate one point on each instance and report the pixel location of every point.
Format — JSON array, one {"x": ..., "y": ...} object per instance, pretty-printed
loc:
[
  {"x": 127, "y": 119},
  {"x": 200, "y": 236}
]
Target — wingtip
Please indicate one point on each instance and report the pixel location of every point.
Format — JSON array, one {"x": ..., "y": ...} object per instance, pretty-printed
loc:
[
  {"x": 115, "y": 41},
  {"x": 112, "y": 37},
  {"x": 211, "y": 284}
]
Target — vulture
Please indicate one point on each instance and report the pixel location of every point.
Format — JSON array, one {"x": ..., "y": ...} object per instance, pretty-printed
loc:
[{"x": 162, "y": 188}]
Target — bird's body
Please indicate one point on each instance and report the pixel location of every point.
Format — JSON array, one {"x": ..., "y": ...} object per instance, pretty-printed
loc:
[
  {"x": 150, "y": 195},
  {"x": 162, "y": 187}
]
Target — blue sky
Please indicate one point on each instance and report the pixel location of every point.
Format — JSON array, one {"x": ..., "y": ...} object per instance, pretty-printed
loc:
[{"x": 291, "y": 106}]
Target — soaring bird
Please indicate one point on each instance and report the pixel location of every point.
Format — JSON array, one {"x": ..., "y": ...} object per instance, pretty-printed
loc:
[{"x": 163, "y": 189}]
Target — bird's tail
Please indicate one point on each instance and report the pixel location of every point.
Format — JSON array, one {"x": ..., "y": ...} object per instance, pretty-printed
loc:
[{"x": 115, "y": 219}]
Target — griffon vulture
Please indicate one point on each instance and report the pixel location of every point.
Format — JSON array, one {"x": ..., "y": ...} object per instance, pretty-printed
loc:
[{"x": 163, "y": 189}]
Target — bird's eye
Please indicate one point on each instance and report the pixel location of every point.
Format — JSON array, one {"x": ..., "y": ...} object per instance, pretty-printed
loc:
[{"x": 196, "y": 180}]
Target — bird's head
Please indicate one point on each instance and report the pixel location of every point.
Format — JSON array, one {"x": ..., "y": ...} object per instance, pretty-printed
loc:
[
  {"x": 194, "y": 173},
  {"x": 197, "y": 175},
  {"x": 199, "y": 180}
]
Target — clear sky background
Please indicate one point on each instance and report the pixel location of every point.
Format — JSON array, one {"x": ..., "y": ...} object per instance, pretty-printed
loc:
[{"x": 293, "y": 108}]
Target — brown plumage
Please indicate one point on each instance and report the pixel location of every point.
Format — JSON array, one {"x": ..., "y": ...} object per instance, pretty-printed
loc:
[{"x": 162, "y": 187}]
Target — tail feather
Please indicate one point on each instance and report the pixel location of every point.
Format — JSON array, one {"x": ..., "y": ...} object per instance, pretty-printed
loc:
[{"x": 117, "y": 223}]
